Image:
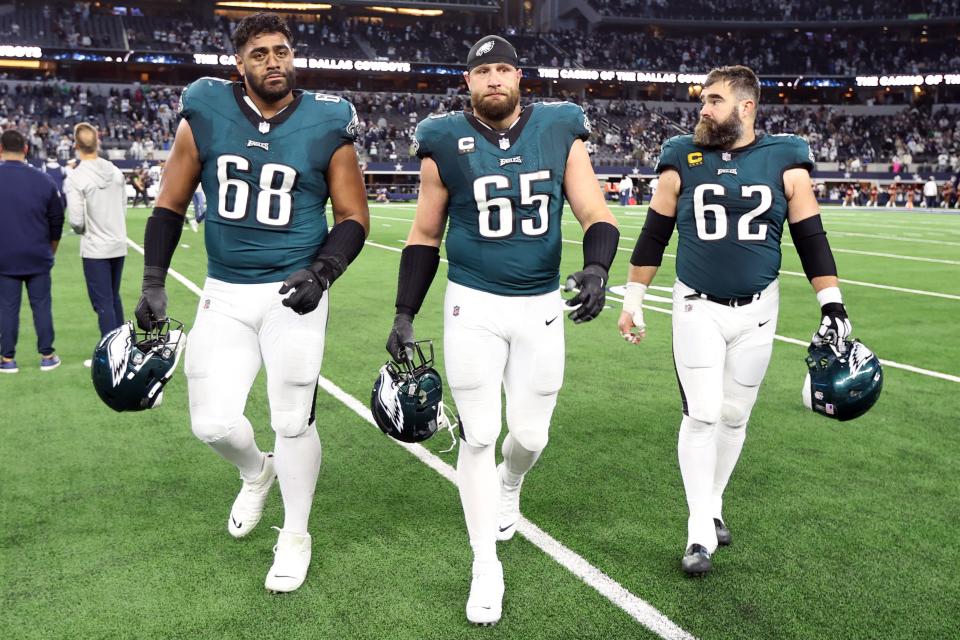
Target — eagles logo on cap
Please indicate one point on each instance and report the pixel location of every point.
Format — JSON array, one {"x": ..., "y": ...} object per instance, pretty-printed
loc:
[
  {"x": 490, "y": 50},
  {"x": 485, "y": 48}
]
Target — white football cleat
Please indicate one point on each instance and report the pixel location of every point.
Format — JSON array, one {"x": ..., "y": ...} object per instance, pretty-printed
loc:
[
  {"x": 509, "y": 507},
  {"x": 485, "y": 604},
  {"x": 291, "y": 559},
  {"x": 248, "y": 507}
]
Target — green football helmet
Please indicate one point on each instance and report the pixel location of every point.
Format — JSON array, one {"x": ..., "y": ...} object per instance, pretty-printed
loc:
[
  {"x": 407, "y": 398},
  {"x": 130, "y": 368},
  {"x": 842, "y": 383}
]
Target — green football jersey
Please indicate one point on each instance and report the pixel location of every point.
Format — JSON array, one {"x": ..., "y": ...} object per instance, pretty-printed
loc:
[
  {"x": 505, "y": 194},
  {"x": 264, "y": 180},
  {"x": 731, "y": 211}
]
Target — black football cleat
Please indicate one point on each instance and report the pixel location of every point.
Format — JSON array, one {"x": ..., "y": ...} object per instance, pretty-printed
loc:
[
  {"x": 696, "y": 561},
  {"x": 723, "y": 533}
]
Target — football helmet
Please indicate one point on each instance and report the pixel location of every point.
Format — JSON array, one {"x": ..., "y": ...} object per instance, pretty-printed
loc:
[
  {"x": 842, "y": 383},
  {"x": 407, "y": 398},
  {"x": 130, "y": 368}
]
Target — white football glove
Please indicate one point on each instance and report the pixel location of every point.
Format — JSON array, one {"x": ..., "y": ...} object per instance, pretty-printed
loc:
[
  {"x": 835, "y": 326},
  {"x": 632, "y": 326}
]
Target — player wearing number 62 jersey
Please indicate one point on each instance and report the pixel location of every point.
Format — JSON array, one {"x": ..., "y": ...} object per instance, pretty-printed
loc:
[
  {"x": 268, "y": 157},
  {"x": 498, "y": 175},
  {"x": 729, "y": 192}
]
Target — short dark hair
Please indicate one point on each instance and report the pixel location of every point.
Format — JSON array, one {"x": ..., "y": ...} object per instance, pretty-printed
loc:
[
  {"x": 742, "y": 80},
  {"x": 258, "y": 23},
  {"x": 12, "y": 140}
]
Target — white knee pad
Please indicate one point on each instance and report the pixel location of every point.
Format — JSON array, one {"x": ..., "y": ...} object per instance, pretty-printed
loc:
[
  {"x": 290, "y": 423},
  {"x": 210, "y": 430},
  {"x": 696, "y": 432},
  {"x": 735, "y": 413},
  {"x": 480, "y": 433},
  {"x": 533, "y": 440}
]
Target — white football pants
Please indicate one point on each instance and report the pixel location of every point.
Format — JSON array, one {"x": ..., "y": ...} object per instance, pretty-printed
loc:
[{"x": 721, "y": 354}]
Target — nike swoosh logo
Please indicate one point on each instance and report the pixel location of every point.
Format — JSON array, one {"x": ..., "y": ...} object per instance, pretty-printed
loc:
[
  {"x": 502, "y": 529},
  {"x": 235, "y": 523},
  {"x": 547, "y": 322},
  {"x": 763, "y": 323}
]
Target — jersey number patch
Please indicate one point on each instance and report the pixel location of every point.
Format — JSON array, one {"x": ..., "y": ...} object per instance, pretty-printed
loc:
[
  {"x": 503, "y": 225},
  {"x": 719, "y": 214},
  {"x": 274, "y": 202}
]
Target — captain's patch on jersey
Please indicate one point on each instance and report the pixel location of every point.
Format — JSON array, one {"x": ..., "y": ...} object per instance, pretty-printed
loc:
[
  {"x": 694, "y": 159},
  {"x": 466, "y": 145}
]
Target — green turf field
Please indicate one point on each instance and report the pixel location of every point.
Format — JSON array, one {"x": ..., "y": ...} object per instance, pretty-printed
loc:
[{"x": 113, "y": 526}]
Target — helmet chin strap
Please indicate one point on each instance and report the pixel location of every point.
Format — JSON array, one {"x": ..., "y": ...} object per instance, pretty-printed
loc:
[{"x": 447, "y": 420}]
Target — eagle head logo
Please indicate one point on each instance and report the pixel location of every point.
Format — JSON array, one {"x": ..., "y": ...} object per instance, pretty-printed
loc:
[{"x": 486, "y": 47}]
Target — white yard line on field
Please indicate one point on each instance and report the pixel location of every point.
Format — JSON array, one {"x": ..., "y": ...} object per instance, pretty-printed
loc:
[
  {"x": 920, "y": 292},
  {"x": 637, "y": 608}
]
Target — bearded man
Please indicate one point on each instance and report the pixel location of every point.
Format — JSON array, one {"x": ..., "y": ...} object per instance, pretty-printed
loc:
[{"x": 728, "y": 190}]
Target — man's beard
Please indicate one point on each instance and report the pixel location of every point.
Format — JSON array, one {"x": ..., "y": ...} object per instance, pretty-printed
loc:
[
  {"x": 495, "y": 111},
  {"x": 718, "y": 135},
  {"x": 273, "y": 95}
]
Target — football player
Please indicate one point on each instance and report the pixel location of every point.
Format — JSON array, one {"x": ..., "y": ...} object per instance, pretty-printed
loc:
[
  {"x": 268, "y": 157},
  {"x": 728, "y": 191},
  {"x": 498, "y": 177}
]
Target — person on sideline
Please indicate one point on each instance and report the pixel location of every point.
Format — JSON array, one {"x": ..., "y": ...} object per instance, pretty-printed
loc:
[
  {"x": 97, "y": 205},
  {"x": 31, "y": 223}
]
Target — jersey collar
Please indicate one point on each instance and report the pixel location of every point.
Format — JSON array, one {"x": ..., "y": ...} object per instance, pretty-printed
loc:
[
  {"x": 757, "y": 137},
  {"x": 510, "y": 136},
  {"x": 264, "y": 125}
]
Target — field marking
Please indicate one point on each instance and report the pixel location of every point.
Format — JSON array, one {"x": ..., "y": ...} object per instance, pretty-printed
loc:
[
  {"x": 859, "y": 283},
  {"x": 878, "y": 254},
  {"x": 921, "y": 292},
  {"x": 896, "y": 238},
  {"x": 635, "y": 607},
  {"x": 804, "y": 343}
]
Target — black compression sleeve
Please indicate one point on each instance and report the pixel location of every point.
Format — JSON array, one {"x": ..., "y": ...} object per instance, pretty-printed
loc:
[
  {"x": 810, "y": 239},
  {"x": 342, "y": 246},
  {"x": 160, "y": 239},
  {"x": 600, "y": 245},
  {"x": 654, "y": 238},
  {"x": 418, "y": 266}
]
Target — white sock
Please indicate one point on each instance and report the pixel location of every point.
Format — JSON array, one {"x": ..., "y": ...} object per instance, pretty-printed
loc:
[
  {"x": 697, "y": 452},
  {"x": 297, "y": 461},
  {"x": 729, "y": 445},
  {"x": 517, "y": 461},
  {"x": 480, "y": 495},
  {"x": 240, "y": 448}
]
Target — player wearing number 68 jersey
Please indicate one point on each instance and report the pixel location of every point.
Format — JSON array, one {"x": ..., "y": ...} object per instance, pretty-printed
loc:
[
  {"x": 498, "y": 176},
  {"x": 728, "y": 191},
  {"x": 269, "y": 157}
]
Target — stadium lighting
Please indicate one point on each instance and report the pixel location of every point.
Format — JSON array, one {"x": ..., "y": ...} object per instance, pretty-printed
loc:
[
  {"x": 406, "y": 11},
  {"x": 277, "y": 6}
]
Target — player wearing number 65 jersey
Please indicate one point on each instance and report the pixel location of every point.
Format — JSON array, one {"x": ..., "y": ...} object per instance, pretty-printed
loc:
[
  {"x": 728, "y": 191},
  {"x": 268, "y": 157},
  {"x": 498, "y": 175}
]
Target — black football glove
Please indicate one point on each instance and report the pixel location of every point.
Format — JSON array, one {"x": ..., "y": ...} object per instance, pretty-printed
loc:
[
  {"x": 307, "y": 289},
  {"x": 835, "y": 326},
  {"x": 152, "y": 308},
  {"x": 400, "y": 341},
  {"x": 591, "y": 297}
]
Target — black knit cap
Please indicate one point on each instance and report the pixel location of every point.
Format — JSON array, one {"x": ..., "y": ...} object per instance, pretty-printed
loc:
[{"x": 492, "y": 49}]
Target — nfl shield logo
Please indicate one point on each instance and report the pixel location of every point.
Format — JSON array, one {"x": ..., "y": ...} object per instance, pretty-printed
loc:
[
  {"x": 688, "y": 307},
  {"x": 206, "y": 303},
  {"x": 264, "y": 127},
  {"x": 727, "y": 157},
  {"x": 504, "y": 144},
  {"x": 456, "y": 310}
]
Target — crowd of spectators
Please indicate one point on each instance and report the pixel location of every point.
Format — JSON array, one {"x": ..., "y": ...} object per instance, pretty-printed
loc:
[
  {"x": 447, "y": 39},
  {"x": 142, "y": 120},
  {"x": 814, "y": 52},
  {"x": 799, "y": 10}
]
